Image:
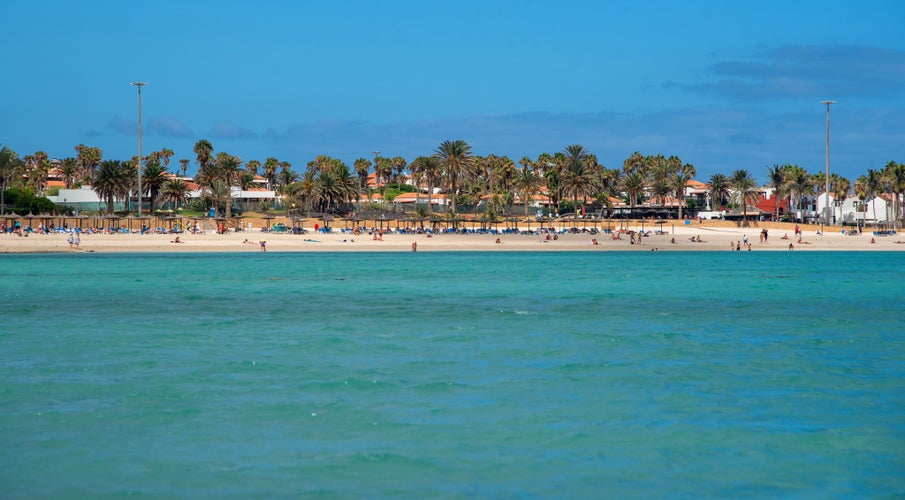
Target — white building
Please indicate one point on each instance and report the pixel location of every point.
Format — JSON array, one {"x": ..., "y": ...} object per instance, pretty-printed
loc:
[
  {"x": 85, "y": 198},
  {"x": 853, "y": 210}
]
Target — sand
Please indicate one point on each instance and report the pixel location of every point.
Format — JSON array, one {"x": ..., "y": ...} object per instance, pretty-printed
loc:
[{"x": 715, "y": 238}]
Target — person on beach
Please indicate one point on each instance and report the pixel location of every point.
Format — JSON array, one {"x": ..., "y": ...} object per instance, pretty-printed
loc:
[
  {"x": 791, "y": 247},
  {"x": 77, "y": 240},
  {"x": 414, "y": 246},
  {"x": 177, "y": 240},
  {"x": 70, "y": 240},
  {"x": 263, "y": 244}
]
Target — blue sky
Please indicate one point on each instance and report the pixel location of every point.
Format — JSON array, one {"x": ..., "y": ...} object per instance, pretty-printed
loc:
[{"x": 721, "y": 84}]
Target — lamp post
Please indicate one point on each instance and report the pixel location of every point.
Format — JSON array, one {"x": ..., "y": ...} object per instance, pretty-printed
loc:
[
  {"x": 139, "y": 85},
  {"x": 826, "y": 208}
]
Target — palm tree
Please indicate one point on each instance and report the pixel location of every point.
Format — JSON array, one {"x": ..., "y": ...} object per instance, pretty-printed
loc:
[
  {"x": 245, "y": 180},
  {"x": 184, "y": 165},
  {"x": 287, "y": 175},
  {"x": 88, "y": 159},
  {"x": 164, "y": 156},
  {"x": 10, "y": 167},
  {"x": 841, "y": 188},
  {"x": 659, "y": 172},
  {"x": 894, "y": 177},
  {"x": 383, "y": 168},
  {"x": 863, "y": 193},
  {"x": 112, "y": 178},
  {"x": 680, "y": 179},
  {"x": 874, "y": 184},
  {"x": 457, "y": 159},
  {"x": 175, "y": 191},
  {"x": 228, "y": 166},
  {"x": 38, "y": 168},
  {"x": 745, "y": 190},
  {"x": 430, "y": 168},
  {"x": 69, "y": 169},
  {"x": 362, "y": 166},
  {"x": 418, "y": 176},
  {"x": 776, "y": 178},
  {"x": 609, "y": 182},
  {"x": 719, "y": 190},
  {"x": 506, "y": 174},
  {"x": 399, "y": 165},
  {"x": 252, "y": 166},
  {"x": 270, "y": 171},
  {"x": 633, "y": 185},
  {"x": 203, "y": 152},
  {"x": 304, "y": 192},
  {"x": 219, "y": 192},
  {"x": 578, "y": 176},
  {"x": 635, "y": 163},
  {"x": 153, "y": 177},
  {"x": 799, "y": 183},
  {"x": 528, "y": 184}
]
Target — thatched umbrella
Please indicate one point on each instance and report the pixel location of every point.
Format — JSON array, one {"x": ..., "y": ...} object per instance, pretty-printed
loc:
[
  {"x": 11, "y": 219},
  {"x": 109, "y": 220},
  {"x": 327, "y": 220},
  {"x": 268, "y": 219},
  {"x": 298, "y": 222}
]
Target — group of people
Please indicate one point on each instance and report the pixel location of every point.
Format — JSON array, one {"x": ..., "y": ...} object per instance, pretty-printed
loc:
[
  {"x": 74, "y": 239},
  {"x": 15, "y": 228},
  {"x": 262, "y": 244}
]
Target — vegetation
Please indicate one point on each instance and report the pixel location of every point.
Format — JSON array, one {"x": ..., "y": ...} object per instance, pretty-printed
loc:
[
  {"x": 24, "y": 202},
  {"x": 572, "y": 179}
]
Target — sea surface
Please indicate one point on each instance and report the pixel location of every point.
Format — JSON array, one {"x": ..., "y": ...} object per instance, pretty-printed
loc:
[{"x": 449, "y": 375}]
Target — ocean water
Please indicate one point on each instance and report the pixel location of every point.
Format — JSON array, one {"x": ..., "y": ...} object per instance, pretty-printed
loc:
[{"x": 448, "y": 375}]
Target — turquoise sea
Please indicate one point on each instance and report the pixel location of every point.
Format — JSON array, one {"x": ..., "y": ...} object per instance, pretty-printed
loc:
[{"x": 447, "y": 375}]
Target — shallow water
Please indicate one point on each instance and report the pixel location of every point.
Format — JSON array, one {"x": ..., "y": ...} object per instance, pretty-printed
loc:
[{"x": 453, "y": 374}]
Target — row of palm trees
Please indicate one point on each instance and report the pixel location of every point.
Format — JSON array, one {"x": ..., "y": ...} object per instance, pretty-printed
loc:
[
  {"x": 572, "y": 178},
  {"x": 798, "y": 185}
]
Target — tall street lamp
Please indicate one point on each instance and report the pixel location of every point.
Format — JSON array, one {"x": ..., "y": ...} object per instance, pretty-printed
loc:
[
  {"x": 826, "y": 213},
  {"x": 139, "y": 85}
]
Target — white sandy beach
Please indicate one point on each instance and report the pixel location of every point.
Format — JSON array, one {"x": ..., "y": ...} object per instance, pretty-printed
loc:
[{"x": 713, "y": 239}]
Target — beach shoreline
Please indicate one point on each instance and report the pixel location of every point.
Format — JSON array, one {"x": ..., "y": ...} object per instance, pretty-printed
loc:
[{"x": 675, "y": 238}]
